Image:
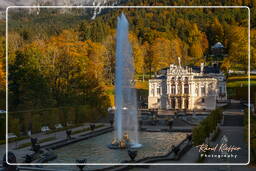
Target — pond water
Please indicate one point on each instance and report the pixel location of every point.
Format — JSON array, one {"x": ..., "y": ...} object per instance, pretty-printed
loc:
[{"x": 95, "y": 150}]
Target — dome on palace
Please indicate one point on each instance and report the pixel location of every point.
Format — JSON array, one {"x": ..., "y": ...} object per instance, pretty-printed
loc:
[{"x": 218, "y": 45}]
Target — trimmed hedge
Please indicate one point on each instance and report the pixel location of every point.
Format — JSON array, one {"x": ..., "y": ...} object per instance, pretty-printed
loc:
[
  {"x": 34, "y": 120},
  {"x": 85, "y": 129},
  {"x": 40, "y": 141},
  {"x": 208, "y": 125},
  {"x": 14, "y": 139}
]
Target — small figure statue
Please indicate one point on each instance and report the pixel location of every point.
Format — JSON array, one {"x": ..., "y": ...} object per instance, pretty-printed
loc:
[
  {"x": 125, "y": 136},
  {"x": 122, "y": 144},
  {"x": 114, "y": 141}
]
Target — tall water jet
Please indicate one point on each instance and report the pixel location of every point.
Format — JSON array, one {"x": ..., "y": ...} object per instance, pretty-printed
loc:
[{"x": 126, "y": 123}]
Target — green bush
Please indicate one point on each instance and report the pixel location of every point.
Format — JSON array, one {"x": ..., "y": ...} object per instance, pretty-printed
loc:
[
  {"x": 14, "y": 139},
  {"x": 208, "y": 125},
  {"x": 14, "y": 126}
]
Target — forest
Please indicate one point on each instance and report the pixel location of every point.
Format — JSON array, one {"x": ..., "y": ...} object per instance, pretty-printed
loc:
[{"x": 64, "y": 59}]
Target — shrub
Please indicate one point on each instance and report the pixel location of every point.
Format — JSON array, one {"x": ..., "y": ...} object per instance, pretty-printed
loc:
[{"x": 208, "y": 125}]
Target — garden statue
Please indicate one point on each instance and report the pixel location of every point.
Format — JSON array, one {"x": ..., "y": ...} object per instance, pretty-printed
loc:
[
  {"x": 122, "y": 144},
  {"x": 81, "y": 167},
  {"x": 35, "y": 147},
  {"x": 68, "y": 133},
  {"x": 132, "y": 154},
  {"x": 111, "y": 122},
  {"x": 92, "y": 127}
]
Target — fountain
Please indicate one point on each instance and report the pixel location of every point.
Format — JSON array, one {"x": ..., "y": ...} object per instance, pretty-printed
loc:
[{"x": 126, "y": 123}]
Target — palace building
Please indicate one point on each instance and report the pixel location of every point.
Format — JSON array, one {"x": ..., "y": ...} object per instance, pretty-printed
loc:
[{"x": 187, "y": 88}]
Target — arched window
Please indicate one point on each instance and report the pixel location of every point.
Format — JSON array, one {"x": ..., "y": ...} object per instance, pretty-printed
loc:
[
  {"x": 186, "y": 103},
  {"x": 173, "y": 103},
  {"x": 210, "y": 89},
  {"x": 173, "y": 86},
  {"x": 158, "y": 90},
  {"x": 179, "y": 102},
  {"x": 203, "y": 91}
]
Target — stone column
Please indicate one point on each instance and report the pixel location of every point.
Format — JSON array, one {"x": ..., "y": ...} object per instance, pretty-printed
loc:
[
  {"x": 192, "y": 89},
  {"x": 168, "y": 88},
  {"x": 199, "y": 90},
  {"x": 206, "y": 89}
]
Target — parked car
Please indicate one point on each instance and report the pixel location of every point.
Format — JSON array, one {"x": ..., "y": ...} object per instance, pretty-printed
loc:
[
  {"x": 2, "y": 111},
  {"x": 11, "y": 135},
  {"x": 58, "y": 126},
  {"x": 45, "y": 129}
]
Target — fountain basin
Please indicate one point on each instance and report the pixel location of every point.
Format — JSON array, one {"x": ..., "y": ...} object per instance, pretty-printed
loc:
[
  {"x": 130, "y": 146},
  {"x": 95, "y": 150}
]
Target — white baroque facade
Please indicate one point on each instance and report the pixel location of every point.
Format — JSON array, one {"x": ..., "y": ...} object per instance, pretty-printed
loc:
[{"x": 187, "y": 88}]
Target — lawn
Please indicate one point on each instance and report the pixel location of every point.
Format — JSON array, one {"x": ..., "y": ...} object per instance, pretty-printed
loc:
[
  {"x": 240, "y": 83},
  {"x": 237, "y": 87}
]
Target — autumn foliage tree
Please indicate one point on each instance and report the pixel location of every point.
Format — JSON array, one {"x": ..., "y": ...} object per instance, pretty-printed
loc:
[{"x": 238, "y": 48}]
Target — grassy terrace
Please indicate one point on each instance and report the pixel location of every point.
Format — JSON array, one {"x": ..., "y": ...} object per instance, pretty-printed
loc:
[
  {"x": 237, "y": 87},
  {"x": 241, "y": 81}
]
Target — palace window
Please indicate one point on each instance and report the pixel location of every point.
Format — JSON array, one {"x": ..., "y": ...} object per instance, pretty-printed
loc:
[
  {"x": 179, "y": 103},
  {"x": 186, "y": 103},
  {"x": 158, "y": 91},
  {"x": 203, "y": 100},
  {"x": 153, "y": 90},
  {"x": 173, "y": 103},
  {"x": 186, "y": 89},
  {"x": 186, "y": 86},
  {"x": 210, "y": 89},
  {"x": 203, "y": 91},
  {"x": 196, "y": 91},
  {"x": 173, "y": 89}
]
